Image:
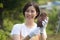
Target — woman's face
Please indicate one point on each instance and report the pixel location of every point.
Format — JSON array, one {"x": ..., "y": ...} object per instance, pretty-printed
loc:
[{"x": 30, "y": 13}]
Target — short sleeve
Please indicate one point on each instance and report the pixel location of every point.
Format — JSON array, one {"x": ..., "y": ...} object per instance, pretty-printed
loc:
[{"x": 16, "y": 29}]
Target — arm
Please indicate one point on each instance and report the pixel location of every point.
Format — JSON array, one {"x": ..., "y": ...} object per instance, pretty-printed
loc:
[
  {"x": 33, "y": 33},
  {"x": 15, "y": 37},
  {"x": 44, "y": 35},
  {"x": 15, "y": 33},
  {"x": 27, "y": 38},
  {"x": 37, "y": 37}
]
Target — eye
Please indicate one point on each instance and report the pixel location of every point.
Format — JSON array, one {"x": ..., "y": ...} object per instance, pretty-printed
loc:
[
  {"x": 32, "y": 11},
  {"x": 27, "y": 10}
]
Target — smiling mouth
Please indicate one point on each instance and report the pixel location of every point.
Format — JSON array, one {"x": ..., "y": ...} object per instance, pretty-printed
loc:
[{"x": 29, "y": 17}]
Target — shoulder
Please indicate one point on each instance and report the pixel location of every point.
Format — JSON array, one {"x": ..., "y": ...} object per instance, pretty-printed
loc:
[
  {"x": 16, "y": 29},
  {"x": 17, "y": 25}
]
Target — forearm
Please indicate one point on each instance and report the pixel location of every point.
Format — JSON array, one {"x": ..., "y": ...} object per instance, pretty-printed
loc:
[
  {"x": 37, "y": 37},
  {"x": 33, "y": 33},
  {"x": 27, "y": 38},
  {"x": 43, "y": 37}
]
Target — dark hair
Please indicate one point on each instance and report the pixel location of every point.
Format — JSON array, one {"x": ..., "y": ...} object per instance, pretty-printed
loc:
[
  {"x": 34, "y": 5},
  {"x": 41, "y": 18}
]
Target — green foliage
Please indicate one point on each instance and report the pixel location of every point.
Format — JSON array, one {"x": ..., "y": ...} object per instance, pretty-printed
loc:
[
  {"x": 13, "y": 15},
  {"x": 7, "y": 24},
  {"x": 1, "y": 5},
  {"x": 53, "y": 18},
  {"x": 2, "y": 35}
]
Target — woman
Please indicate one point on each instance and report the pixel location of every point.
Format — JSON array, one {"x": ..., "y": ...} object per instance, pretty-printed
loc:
[
  {"x": 42, "y": 23},
  {"x": 20, "y": 31}
]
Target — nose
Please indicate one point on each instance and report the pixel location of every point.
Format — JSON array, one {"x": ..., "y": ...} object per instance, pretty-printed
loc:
[{"x": 29, "y": 13}]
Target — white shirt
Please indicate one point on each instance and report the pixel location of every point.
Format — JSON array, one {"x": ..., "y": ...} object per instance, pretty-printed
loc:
[
  {"x": 21, "y": 28},
  {"x": 17, "y": 28}
]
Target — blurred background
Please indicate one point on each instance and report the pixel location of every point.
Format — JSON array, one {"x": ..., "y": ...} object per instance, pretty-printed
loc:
[{"x": 11, "y": 13}]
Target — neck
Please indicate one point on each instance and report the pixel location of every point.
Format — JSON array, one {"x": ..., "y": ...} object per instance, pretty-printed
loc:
[{"x": 29, "y": 23}]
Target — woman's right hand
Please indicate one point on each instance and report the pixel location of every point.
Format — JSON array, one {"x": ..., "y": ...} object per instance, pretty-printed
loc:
[{"x": 36, "y": 31}]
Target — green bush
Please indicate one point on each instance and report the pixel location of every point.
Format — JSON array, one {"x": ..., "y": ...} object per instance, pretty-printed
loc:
[{"x": 53, "y": 18}]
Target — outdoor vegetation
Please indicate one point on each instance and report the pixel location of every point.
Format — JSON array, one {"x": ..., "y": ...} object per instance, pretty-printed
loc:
[{"x": 11, "y": 13}]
